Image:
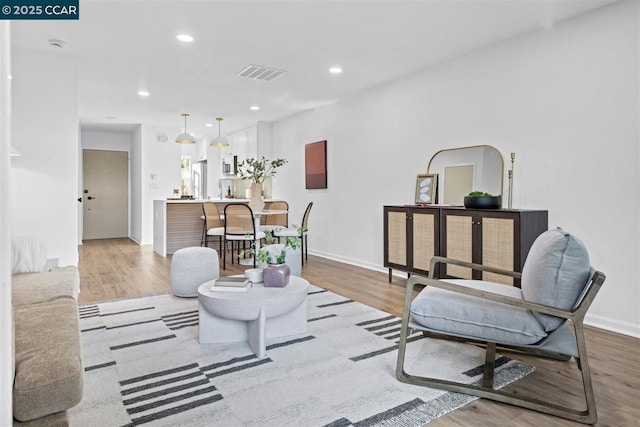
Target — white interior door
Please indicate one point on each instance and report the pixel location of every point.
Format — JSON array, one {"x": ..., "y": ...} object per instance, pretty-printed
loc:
[{"x": 106, "y": 194}]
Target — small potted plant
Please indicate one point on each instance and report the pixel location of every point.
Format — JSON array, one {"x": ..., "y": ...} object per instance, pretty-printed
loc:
[
  {"x": 275, "y": 271},
  {"x": 482, "y": 200}
]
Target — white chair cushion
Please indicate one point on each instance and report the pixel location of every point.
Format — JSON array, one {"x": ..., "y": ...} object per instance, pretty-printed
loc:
[
  {"x": 216, "y": 231},
  {"x": 440, "y": 310},
  {"x": 260, "y": 235},
  {"x": 286, "y": 232},
  {"x": 272, "y": 228}
]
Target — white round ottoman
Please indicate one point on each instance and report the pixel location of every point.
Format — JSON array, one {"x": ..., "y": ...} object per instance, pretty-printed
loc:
[{"x": 191, "y": 267}]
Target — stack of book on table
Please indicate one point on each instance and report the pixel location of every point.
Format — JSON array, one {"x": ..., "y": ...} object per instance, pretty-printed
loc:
[{"x": 231, "y": 284}]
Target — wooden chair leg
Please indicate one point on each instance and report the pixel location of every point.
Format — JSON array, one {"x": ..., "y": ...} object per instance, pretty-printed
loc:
[{"x": 489, "y": 365}]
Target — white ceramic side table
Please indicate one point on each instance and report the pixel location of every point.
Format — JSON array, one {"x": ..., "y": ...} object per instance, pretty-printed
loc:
[{"x": 253, "y": 316}]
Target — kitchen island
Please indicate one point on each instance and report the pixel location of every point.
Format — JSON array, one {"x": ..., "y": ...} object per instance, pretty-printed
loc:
[{"x": 179, "y": 223}]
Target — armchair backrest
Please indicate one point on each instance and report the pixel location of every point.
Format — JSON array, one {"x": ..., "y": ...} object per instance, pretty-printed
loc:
[{"x": 556, "y": 272}]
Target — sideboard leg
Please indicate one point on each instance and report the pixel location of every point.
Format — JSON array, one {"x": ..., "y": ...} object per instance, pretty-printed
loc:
[{"x": 390, "y": 275}]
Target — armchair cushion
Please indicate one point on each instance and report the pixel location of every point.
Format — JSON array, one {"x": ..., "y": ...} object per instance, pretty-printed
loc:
[
  {"x": 555, "y": 273},
  {"x": 454, "y": 313}
]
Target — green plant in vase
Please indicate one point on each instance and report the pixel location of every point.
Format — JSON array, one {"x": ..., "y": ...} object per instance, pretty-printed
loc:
[
  {"x": 256, "y": 171},
  {"x": 263, "y": 256}
]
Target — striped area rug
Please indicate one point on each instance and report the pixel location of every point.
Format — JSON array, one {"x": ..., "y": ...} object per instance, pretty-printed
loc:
[{"x": 144, "y": 366}]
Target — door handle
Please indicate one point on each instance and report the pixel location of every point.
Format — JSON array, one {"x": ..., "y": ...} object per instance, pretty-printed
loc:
[
  {"x": 80, "y": 199},
  {"x": 91, "y": 198}
]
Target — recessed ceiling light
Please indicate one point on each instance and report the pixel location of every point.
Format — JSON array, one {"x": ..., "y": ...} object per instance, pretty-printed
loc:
[
  {"x": 110, "y": 117},
  {"x": 335, "y": 70},
  {"x": 143, "y": 93},
  {"x": 185, "y": 38},
  {"x": 255, "y": 108},
  {"x": 209, "y": 125}
]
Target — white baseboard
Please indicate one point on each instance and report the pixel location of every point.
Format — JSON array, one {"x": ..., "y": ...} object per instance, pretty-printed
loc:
[
  {"x": 613, "y": 325},
  {"x": 601, "y": 322},
  {"x": 351, "y": 261},
  {"x": 134, "y": 239}
]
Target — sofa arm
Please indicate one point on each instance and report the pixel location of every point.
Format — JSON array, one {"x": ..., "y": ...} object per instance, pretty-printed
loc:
[
  {"x": 49, "y": 372},
  {"x": 30, "y": 288}
]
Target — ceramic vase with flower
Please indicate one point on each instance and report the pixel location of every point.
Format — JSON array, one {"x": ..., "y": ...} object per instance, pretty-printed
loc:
[{"x": 257, "y": 170}]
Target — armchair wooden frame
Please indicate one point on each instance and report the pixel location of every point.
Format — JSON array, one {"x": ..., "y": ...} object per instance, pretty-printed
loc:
[{"x": 485, "y": 389}]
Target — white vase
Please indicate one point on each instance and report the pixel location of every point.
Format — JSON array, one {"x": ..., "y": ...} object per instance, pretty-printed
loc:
[{"x": 256, "y": 203}]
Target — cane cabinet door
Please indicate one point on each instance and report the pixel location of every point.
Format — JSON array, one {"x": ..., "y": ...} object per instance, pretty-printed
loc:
[
  {"x": 497, "y": 238},
  {"x": 410, "y": 238}
]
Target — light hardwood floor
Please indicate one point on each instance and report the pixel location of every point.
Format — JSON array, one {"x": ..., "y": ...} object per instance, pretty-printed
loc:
[{"x": 119, "y": 268}]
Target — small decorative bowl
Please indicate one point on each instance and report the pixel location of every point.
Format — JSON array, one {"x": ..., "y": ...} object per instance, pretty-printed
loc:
[
  {"x": 254, "y": 275},
  {"x": 483, "y": 202}
]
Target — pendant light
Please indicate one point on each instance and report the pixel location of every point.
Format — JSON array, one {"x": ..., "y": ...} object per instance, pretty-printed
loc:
[
  {"x": 186, "y": 137},
  {"x": 219, "y": 141}
]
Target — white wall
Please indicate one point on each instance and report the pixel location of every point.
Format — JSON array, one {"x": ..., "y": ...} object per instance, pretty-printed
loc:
[
  {"x": 45, "y": 131},
  {"x": 162, "y": 160},
  {"x": 114, "y": 141},
  {"x": 135, "y": 178},
  {"x": 6, "y": 318},
  {"x": 242, "y": 143},
  {"x": 564, "y": 99}
]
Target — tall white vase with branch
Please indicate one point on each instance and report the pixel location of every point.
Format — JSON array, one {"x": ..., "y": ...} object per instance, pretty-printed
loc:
[
  {"x": 256, "y": 203},
  {"x": 257, "y": 170}
]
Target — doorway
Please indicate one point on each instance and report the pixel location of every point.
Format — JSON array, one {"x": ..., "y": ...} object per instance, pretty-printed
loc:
[{"x": 106, "y": 194}]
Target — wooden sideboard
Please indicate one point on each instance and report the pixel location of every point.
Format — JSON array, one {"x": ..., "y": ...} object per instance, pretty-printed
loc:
[{"x": 495, "y": 237}]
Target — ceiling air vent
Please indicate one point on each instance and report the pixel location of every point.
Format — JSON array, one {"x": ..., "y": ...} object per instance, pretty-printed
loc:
[{"x": 256, "y": 72}]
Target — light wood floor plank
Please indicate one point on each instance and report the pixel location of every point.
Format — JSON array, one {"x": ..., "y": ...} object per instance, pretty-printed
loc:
[{"x": 119, "y": 268}]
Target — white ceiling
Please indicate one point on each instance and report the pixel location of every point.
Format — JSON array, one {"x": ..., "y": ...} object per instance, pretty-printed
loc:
[{"x": 126, "y": 46}]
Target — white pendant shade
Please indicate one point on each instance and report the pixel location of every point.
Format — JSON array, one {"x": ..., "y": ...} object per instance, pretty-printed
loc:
[
  {"x": 219, "y": 141},
  {"x": 186, "y": 137}
]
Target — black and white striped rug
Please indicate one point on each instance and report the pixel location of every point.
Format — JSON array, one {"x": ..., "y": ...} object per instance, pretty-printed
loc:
[{"x": 144, "y": 366}]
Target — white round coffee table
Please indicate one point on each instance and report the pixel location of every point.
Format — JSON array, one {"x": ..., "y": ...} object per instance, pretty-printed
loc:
[{"x": 253, "y": 316}]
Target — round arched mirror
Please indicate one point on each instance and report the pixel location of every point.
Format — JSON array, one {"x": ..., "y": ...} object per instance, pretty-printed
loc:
[{"x": 466, "y": 169}]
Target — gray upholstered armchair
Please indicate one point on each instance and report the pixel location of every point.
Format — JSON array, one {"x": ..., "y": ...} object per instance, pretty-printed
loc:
[{"x": 558, "y": 286}]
